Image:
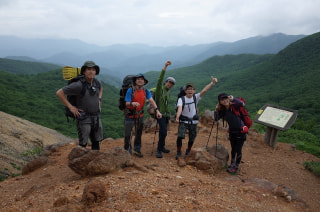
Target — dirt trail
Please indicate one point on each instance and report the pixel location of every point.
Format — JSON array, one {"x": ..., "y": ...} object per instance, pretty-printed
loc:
[{"x": 168, "y": 187}]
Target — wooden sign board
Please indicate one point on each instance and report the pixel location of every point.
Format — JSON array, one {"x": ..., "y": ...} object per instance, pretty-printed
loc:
[{"x": 276, "y": 117}]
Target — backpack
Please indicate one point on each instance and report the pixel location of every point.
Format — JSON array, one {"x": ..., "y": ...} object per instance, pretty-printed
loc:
[
  {"x": 126, "y": 84},
  {"x": 73, "y": 99},
  {"x": 243, "y": 113}
]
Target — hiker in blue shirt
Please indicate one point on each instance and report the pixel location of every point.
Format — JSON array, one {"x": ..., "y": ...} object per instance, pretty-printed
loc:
[
  {"x": 237, "y": 129},
  {"x": 87, "y": 113},
  {"x": 134, "y": 103}
]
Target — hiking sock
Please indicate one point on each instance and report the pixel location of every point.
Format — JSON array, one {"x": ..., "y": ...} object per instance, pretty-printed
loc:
[
  {"x": 178, "y": 155},
  {"x": 179, "y": 142}
]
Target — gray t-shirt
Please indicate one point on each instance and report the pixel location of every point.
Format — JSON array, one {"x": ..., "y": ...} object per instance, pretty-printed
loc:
[{"x": 89, "y": 102}]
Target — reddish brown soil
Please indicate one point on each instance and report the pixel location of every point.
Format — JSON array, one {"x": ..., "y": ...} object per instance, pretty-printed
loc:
[{"x": 168, "y": 187}]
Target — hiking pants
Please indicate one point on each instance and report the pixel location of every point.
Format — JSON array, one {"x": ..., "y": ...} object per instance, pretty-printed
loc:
[
  {"x": 90, "y": 127},
  {"x": 236, "y": 142},
  {"x": 183, "y": 127},
  {"x": 163, "y": 123},
  {"x": 129, "y": 123}
]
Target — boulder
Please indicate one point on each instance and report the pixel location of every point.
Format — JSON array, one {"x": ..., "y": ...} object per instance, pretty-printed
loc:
[
  {"x": 34, "y": 164},
  {"x": 204, "y": 160},
  {"x": 94, "y": 192},
  {"x": 93, "y": 162}
]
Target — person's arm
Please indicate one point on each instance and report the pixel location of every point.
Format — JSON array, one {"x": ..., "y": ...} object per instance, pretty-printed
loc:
[
  {"x": 128, "y": 101},
  {"x": 207, "y": 88},
  {"x": 160, "y": 81},
  {"x": 100, "y": 97},
  {"x": 61, "y": 95},
  {"x": 179, "y": 111},
  {"x": 154, "y": 105}
]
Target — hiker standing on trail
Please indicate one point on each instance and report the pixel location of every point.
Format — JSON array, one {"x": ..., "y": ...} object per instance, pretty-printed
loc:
[
  {"x": 134, "y": 102},
  {"x": 89, "y": 94},
  {"x": 187, "y": 114},
  {"x": 162, "y": 98},
  {"x": 237, "y": 130}
]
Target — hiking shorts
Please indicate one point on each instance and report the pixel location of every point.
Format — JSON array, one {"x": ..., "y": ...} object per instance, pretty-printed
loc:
[
  {"x": 183, "y": 127},
  {"x": 89, "y": 128}
]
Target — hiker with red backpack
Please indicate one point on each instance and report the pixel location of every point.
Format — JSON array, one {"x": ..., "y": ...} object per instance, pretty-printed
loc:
[
  {"x": 232, "y": 110},
  {"x": 134, "y": 100},
  {"x": 187, "y": 115},
  {"x": 88, "y": 92}
]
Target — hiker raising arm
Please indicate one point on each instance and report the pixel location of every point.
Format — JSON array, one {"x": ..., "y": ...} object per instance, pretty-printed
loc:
[
  {"x": 162, "y": 98},
  {"x": 187, "y": 115},
  {"x": 205, "y": 89}
]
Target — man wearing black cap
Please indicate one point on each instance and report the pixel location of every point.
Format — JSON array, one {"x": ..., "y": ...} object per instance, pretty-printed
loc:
[
  {"x": 88, "y": 91},
  {"x": 135, "y": 100},
  {"x": 187, "y": 114}
]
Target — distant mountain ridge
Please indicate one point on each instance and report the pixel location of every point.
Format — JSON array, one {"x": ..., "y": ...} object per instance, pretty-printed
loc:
[
  {"x": 289, "y": 79},
  {"x": 120, "y": 60}
]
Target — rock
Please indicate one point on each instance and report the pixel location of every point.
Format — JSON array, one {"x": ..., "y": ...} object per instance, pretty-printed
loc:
[
  {"x": 181, "y": 162},
  {"x": 203, "y": 160},
  {"x": 61, "y": 201},
  {"x": 94, "y": 192},
  {"x": 207, "y": 117},
  {"x": 221, "y": 153},
  {"x": 93, "y": 162},
  {"x": 34, "y": 164}
]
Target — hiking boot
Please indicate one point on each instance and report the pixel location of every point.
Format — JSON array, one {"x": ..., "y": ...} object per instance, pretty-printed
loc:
[
  {"x": 164, "y": 150},
  {"x": 159, "y": 154},
  {"x": 187, "y": 152},
  {"x": 233, "y": 168},
  {"x": 178, "y": 155},
  {"x": 138, "y": 154}
]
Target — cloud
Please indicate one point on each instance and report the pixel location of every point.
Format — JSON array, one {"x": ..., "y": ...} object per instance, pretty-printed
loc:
[{"x": 154, "y": 22}]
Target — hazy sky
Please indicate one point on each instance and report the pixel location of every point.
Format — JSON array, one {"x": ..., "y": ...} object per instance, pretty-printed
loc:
[{"x": 157, "y": 22}]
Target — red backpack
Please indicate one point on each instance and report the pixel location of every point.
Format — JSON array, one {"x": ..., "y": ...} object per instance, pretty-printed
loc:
[{"x": 243, "y": 113}]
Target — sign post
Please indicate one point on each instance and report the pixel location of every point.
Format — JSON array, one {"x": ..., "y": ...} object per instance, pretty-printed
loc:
[{"x": 275, "y": 118}]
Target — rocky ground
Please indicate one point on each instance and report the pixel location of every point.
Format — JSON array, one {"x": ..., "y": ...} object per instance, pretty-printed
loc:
[{"x": 169, "y": 187}]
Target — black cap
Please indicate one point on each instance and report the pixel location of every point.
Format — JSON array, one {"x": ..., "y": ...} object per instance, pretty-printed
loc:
[{"x": 222, "y": 96}]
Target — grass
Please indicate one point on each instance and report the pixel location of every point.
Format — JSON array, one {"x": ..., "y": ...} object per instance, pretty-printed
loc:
[{"x": 313, "y": 166}]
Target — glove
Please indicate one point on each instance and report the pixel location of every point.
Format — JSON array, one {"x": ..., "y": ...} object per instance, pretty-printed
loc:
[{"x": 244, "y": 129}]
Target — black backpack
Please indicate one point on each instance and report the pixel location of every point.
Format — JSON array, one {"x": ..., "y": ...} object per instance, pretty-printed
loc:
[
  {"x": 73, "y": 99},
  {"x": 126, "y": 84}
]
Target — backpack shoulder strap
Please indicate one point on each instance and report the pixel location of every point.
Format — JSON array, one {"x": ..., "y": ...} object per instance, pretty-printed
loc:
[
  {"x": 183, "y": 98},
  {"x": 195, "y": 101}
]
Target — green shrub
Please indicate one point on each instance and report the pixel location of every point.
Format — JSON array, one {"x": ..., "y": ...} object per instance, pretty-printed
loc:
[
  {"x": 313, "y": 166},
  {"x": 303, "y": 140}
]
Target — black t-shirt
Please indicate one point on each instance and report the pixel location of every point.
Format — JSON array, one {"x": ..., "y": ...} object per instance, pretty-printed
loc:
[{"x": 88, "y": 102}]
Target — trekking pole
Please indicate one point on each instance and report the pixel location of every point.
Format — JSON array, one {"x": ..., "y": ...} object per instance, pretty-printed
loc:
[
  {"x": 215, "y": 154},
  {"x": 209, "y": 135},
  {"x": 154, "y": 138}
]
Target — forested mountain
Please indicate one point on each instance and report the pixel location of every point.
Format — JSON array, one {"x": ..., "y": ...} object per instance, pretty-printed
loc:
[
  {"x": 33, "y": 97},
  {"x": 25, "y": 67},
  {"x": 289, "y": 78},
  {"x": 120, "y": 60}
]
